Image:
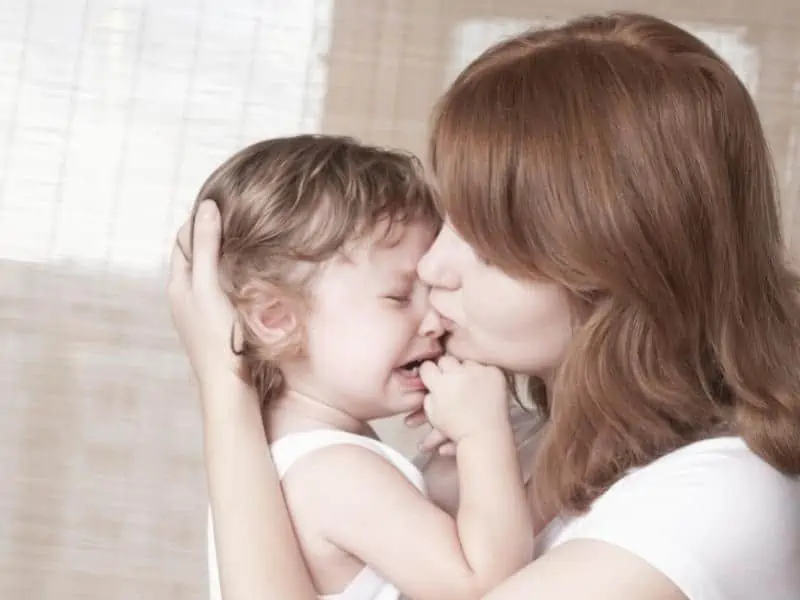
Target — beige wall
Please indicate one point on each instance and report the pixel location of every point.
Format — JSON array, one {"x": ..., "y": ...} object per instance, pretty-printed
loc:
[{"x": 100, "y": 452}]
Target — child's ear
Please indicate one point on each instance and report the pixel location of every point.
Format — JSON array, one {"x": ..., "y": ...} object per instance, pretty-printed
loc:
[{"x": 270, "y": 316}]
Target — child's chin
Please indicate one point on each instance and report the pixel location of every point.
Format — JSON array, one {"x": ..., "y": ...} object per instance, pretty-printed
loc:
[{"x": 409, "y": 401}]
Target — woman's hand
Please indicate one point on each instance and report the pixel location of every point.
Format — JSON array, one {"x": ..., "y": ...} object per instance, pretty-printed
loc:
[
  {"x": 250, "y": 516},
  {"x": 201, "y": 313}
]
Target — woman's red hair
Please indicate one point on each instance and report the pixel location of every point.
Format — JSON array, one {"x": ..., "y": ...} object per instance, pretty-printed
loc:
[{"x": 622, "y": 158}]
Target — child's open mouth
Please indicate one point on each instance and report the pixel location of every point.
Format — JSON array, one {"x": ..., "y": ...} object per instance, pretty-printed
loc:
[
  {"x": 411, "y": 368},
  {"x": 409, "y": 376},
  {"x": 408, "y": 372}
]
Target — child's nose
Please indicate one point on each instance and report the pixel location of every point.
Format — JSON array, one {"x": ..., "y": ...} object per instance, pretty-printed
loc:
[{"x": 431, "y": 325}]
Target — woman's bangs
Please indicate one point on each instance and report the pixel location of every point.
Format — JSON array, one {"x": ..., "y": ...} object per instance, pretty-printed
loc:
[{"x": 467, "y": 175}]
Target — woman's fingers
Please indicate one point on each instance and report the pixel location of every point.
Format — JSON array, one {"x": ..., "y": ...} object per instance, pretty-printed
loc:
[
  {"x": 205, "y": 245},
  {"x": 183, "y": 240},
  {"x": 178, "y": 270}
]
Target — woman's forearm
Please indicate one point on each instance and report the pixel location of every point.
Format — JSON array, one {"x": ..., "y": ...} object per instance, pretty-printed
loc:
[{"x": 257, "y": 550}]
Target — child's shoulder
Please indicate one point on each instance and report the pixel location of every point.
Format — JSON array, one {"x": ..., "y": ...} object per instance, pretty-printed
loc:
[
  {"x": 337, "y": 475},
  {"x": 341, "y": 459}
]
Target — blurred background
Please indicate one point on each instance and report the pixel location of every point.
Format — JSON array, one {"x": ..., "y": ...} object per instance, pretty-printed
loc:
[{"x": 112, "y": 113}]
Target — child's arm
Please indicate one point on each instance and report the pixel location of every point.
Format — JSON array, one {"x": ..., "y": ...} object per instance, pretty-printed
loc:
[
  {"x": 379, "y": 517},
  {"x": 259, "y": 554},
  {"x": 494, "y": 518},
  {"x": 467, "y": 403},
  {"x": 440, "y": 470},
  {"x": 441, "y": 480}
]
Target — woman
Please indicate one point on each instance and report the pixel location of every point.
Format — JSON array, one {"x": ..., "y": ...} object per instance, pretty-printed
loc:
[{"x": 612, "y": 233}]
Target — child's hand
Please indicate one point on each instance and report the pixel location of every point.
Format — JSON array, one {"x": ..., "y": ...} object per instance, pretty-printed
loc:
[
  {"x": 434, "y": 440},
  {"x": 464, "y": 398}
]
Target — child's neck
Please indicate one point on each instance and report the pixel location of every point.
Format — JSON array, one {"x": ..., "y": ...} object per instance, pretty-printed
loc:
[{"x": 295, "y": 412}]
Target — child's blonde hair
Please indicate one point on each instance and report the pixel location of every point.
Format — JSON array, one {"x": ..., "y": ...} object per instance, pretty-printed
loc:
[{"x": 289, "y": 204}]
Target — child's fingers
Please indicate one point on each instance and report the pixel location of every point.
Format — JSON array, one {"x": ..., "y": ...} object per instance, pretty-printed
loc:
[
  {"x": 416, "y": 418},
  {"x": 433, "y": 440},
  {"x": 448, "y": 363},
  {"x": 447, "y": 449},
  {"x": 205, "y": 245},
  {"x": 428, "y": 373}
]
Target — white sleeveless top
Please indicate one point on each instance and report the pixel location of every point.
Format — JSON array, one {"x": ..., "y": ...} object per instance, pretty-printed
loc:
[
  {"x": 713, "y": 517},
  {"x": 367, "y": 584}
]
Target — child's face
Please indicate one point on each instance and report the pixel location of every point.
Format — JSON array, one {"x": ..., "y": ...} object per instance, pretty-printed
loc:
[{"x": 370, "y": 317}]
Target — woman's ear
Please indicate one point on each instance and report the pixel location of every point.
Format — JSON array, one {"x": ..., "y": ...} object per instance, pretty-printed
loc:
[{"x": 269, "y": 315}]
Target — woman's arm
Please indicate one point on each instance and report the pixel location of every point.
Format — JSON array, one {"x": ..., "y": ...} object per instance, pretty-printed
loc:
[
  {"x": 680, "y": 527},
  {"x": 588, "y": 570},
  {"x": 258, "y": 553}
]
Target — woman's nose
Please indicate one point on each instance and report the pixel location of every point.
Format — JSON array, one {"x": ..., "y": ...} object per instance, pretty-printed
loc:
[{"x": 435, "y": 268}]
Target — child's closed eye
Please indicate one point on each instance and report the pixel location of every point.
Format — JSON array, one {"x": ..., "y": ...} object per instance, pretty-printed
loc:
[{"x": 399, "y": 299}]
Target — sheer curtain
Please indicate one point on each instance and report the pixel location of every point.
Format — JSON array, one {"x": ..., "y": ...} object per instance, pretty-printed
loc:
[{"x": 112, "y": 112}]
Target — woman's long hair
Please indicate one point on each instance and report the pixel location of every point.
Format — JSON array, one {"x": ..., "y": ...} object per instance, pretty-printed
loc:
[{"x": 622, "y": 158}]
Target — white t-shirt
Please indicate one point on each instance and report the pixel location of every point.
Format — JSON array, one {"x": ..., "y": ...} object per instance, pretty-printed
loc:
[{"x": 712, "y": 516}]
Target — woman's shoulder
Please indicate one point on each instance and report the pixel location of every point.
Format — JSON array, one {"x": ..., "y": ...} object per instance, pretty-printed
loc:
[
  {"x": 712, "y": 516},
  {"x": 708, "y": 469},
  {"x": 714, "y": 482}
]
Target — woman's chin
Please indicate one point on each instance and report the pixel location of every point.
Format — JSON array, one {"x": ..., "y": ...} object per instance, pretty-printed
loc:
[{"x": 465, "y": 349}]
